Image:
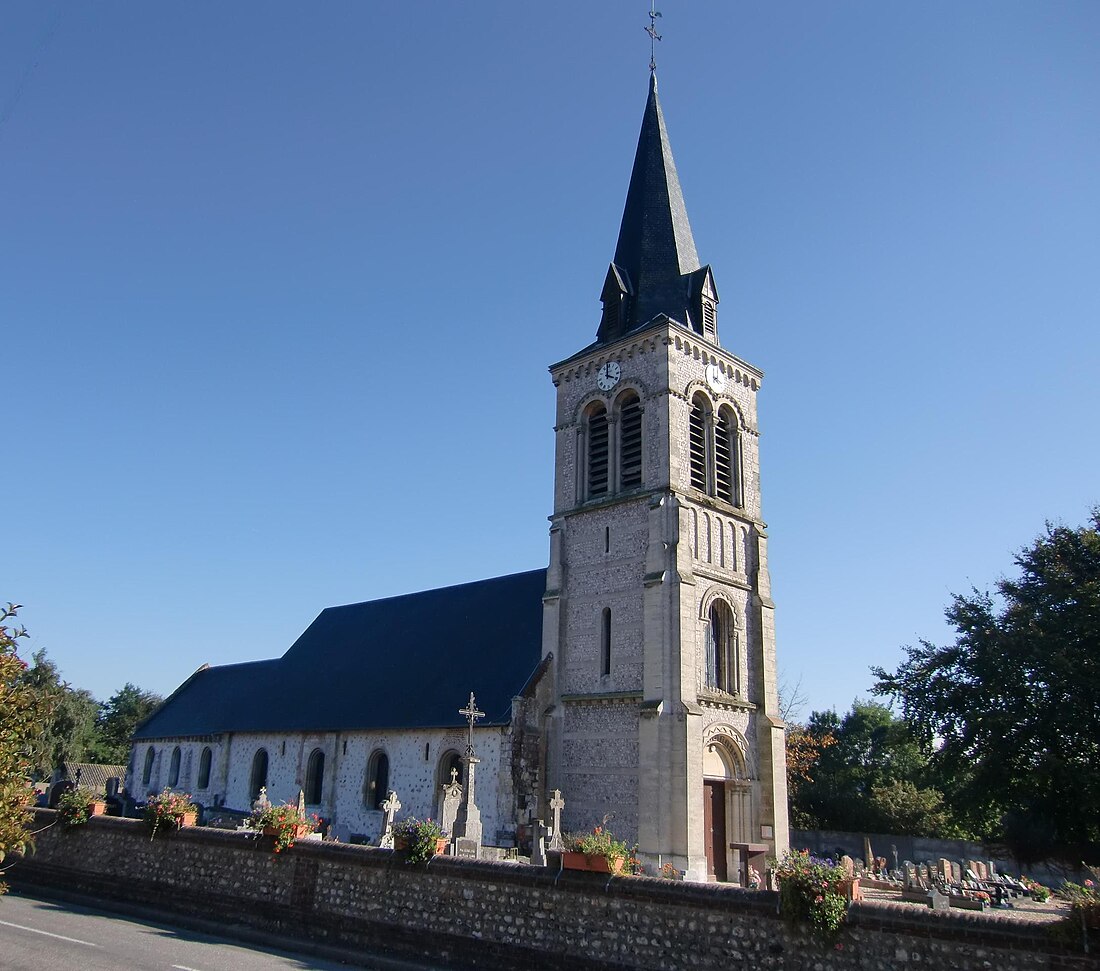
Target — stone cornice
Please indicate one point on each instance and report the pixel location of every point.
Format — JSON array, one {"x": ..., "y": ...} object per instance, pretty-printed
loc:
[
  {"x": 713, "y": 698},
  {"x": 602, "y": 698}
]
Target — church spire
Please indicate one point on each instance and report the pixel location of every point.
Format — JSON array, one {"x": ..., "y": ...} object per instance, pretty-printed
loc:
[{"x": 656, "y": 269}]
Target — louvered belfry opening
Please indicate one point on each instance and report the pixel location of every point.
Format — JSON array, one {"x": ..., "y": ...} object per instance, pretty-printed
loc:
[
  {"x": 698, "y": 442},
  {"x": 630, "y": 441},
  {"x": 724, "y": 457},
  {"x": 597, "y": 450}
]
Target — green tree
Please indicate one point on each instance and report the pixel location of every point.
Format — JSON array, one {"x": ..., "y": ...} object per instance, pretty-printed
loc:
[
  {"x": 870, "y": 775},
  {"x": 22, "y": 711},
  {"x": 119, "y": 716},
  {"x": 1012, "y": 707},
  {"x": 69, "y": 733}
]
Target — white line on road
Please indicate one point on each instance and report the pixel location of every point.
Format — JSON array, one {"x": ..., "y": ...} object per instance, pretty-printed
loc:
[
  {"x": 33, "y": 930},
  {"x": 183, "y": 967}
]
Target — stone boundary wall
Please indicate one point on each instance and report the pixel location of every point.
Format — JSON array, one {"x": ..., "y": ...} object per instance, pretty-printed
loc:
[{"x": 463, "y": 913}]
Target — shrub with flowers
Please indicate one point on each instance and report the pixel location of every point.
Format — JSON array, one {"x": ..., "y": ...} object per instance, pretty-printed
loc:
[
  {"x": 168, "y": 809},
  {"x": 1036, "y": 889},
  {"x": 1084, "y": 902},
  {"x": 74, "y": 808},
  {"x": 600, "y": 842},
  {"x": 813, "y": 890},
  {"x": 421, "y": 837},
  {"x": 669, "y": 872},
  {"x": 286, "y": 823}
]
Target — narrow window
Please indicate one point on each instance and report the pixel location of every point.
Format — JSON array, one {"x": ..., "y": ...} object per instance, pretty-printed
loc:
[
  {"x": 597, "y": 450},
  {"x": 204, "y": 768},
  {"x": 378, "y": 780},
  {"x": 721, "y": 649},
  {"x": 630, "y": 441},
  {"x": 258, "y": 779},
  {"x": 315, "y": 777},
  {"x": 605, "y": 642},
  {"x": 698, "y": 444},
  {"x": 450, "y": 766},
  {"x": 607, "y": 539},
  {"x": 147, "y": 772},
  {"x": 726, "y": 459},
  {"x": 710, "y": 319},
  {"x": 174, "y": 768}
]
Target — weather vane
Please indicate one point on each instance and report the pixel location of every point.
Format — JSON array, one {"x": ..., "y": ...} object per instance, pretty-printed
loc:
[{"x": 653, "y": 35}]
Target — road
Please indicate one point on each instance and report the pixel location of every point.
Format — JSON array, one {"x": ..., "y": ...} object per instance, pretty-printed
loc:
[{"x": 40, "y": 933}]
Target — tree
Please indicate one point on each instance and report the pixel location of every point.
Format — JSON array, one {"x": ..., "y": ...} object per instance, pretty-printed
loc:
[
  {"x": 22, "y": 710},
  {"x": 1012, "y": 707},
  {"x": 119, "y": 716},
  {"x": 869, "y": 775},
  {"x": 69, "y": 734}
]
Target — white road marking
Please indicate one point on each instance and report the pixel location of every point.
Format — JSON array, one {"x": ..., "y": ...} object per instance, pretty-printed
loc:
[
  {"x": 33, "y": 930},
  {"x": 183, "y": 967}
]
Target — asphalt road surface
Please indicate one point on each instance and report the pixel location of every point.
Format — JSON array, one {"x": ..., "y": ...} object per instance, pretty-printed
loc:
[{"x": 39, "y": 933}]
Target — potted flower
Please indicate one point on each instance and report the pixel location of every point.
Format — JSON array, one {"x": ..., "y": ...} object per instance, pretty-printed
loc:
[
  {"x": 173, "y": 810},
  {"x": 287, "y": 823},
  {"x": 77, "y": 806},
  {"x": 669, "y": 872},
  {"x": 598, "y": 851},
  {"x": 755, "y": 883},
  {"x": 420, "y": 839},
  {"x": 812, "y": 890}
]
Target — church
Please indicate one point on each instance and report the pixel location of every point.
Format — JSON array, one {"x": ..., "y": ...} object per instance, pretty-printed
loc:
[{"x": 636, "y": 673}]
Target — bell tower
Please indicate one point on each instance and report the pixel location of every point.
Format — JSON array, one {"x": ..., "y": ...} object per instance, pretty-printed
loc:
[{"x": 658, "y": 620}]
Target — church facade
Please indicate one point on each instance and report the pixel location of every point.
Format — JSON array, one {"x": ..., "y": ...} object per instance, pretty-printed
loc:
[{"x": 636, "y": 673}]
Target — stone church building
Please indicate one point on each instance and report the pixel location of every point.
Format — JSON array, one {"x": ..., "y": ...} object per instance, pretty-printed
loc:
[{"x": 636, "y": 673}]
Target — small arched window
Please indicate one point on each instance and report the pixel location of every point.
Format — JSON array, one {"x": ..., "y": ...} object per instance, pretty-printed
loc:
[
  {"x": 698, "y": 441},
  {"x": 258, "y": 779},
  {"x": 630, "y": 440},
  {"x": 204, "y": 768},
  {"x": 174, "y": 768},
  {"x": 147, "y": 771},
  {"x": 597, "y": 457},
  {"x": 451, "y": 761},
  {"x": 721, "y": 645},
  {"x": 605, "y": 642},
  {"x": 377, "y": 783},
  {"x": 727, "y": 464},
  {"x": 315, "y": 777}
]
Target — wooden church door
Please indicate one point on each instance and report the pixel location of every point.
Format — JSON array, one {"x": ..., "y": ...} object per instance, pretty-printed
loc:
[{"x": 714, "y": 828}]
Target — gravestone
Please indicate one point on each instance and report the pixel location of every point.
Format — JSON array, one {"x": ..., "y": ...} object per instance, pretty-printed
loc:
[
  {"x": 261, "y": 800},
  {"x": 452, "y": 797},
  {"x": 538, "y": 845},
  {"x": 389, "y": 807},
  {"x": 468, "y": 848},
  {"x": 939, "y": 901},
  {"x": 557, "y": 804},
  {"x": 848, "y": 865}
]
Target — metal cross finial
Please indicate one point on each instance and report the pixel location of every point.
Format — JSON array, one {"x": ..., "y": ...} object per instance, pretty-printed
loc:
[
  {"x": 472, "y": 715},
  {"x": 653, "y": 35}
]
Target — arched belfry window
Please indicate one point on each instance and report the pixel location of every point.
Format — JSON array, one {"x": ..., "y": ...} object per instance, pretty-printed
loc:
[
  {"x": 596, "y": 429},
  {"x": 204, "y": 768},
  {"x": 727, "y": 457},
  {"x": 378, "y": 780},
  {"x": 630, "y": 440},
  {"x": 147, "y": 771},
  {"x": 699, "y": 442},
  {"x": 258, "y": 778},
  {"x": 174, "y": 768},
  {"x": 721, "y": 646},
  {"x": 315, "y": 777}
]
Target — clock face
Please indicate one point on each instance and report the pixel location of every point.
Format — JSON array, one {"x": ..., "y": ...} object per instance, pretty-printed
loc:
[
  {"x": 715, "y": 378},
  {"x": 609, "y": 375}
]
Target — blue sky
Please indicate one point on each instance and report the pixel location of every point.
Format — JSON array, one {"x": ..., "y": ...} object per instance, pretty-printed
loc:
[{"x": 279, "y": 284}]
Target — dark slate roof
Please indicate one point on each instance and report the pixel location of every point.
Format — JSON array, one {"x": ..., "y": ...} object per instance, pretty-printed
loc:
[
  {"x": 403, "y": 662},
  {"x": 656, "y": 249}
]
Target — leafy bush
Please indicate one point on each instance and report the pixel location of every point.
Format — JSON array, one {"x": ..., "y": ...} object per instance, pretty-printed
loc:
[
  {"x": 420, "y": 838},
  {"x": 812, "y": 890},
  {"x": 74, "y": 808},
  {"x": 167, "y": 809}
]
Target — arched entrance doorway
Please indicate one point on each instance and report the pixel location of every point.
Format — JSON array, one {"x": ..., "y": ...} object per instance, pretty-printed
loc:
[{"x": 727, "y": 806}]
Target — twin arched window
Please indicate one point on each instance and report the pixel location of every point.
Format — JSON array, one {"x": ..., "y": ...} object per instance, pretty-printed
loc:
[
  {"x": 613, "y": 446},
  {"x": 723, "y": 663},
  {"x": 715, "y": 451}
]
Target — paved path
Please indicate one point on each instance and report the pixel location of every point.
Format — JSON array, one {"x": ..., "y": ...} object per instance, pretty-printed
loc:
[{"x": 39, "y": 933}]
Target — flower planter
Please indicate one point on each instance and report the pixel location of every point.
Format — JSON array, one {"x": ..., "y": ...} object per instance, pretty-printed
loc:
[
  {"x": 849, "y": 889},
  {"x": 187, "y": 819},
  {"x": 299, "y": 831},
  {"x": 441, "y": 844},
  {"x": 591, "y": 862},
  {"x": 97, "y": 808}
]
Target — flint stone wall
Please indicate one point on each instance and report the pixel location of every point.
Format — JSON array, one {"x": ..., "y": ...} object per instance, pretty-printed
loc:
[{"x": 501, "y": 915}]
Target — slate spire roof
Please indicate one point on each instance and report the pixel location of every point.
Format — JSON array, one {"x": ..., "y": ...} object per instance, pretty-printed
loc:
[{"x": 656, "y": 269}]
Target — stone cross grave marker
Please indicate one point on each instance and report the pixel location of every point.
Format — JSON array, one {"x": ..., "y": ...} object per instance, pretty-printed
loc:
[
  {"x": 467, "y": 825},
  {"x": 261, "y": 800},
  {"x": 538, "y": 844},
  {"x": 389, "y": 806},
  {"x": 301, "y": 803},
  {"x": 557, "y": 804}
]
